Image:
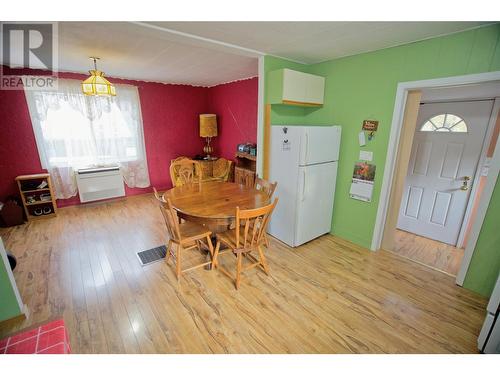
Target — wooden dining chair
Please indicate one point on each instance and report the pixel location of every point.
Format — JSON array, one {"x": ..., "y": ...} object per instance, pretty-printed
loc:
[
  {"x": 265, "y": 186},
  {"x": 247, "y": 236},
  {"x": 184, "y": 236},
  {"x": 185, "y": 171},
  {"x": 268, "y": 188},
  {"x": 222, "y": 169}
]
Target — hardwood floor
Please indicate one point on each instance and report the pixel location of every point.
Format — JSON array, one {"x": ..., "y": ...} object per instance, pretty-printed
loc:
[
  {"x": 435, "y": 254},
  {"x": 328, "y": 296}
]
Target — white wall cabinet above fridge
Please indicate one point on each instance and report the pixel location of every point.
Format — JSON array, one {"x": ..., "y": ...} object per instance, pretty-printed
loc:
[{"x": 286, "y": 86}]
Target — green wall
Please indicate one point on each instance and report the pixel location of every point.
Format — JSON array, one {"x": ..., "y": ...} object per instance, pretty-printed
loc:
[
  {"x": 364, "y": 87},
  {"x": 9, "y": 307},
  {"x": 485, "y": 264}
]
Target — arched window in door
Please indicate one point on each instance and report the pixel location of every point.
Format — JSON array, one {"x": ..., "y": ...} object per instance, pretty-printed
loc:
[{"x": 445, "y": 122}]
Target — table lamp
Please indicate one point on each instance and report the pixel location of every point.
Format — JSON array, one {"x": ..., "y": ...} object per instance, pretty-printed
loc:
[{"x": 208, "y": 129}]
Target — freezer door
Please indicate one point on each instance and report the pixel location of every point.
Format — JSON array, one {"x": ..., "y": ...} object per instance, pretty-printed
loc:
[
  {"x": 319, "y": 144},
  {"x": 314, "y": 201},
  {"x": 284, "y": 170}
]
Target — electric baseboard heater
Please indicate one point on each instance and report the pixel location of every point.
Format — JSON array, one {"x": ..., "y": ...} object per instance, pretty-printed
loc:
[{"x": 95, "y": 184}]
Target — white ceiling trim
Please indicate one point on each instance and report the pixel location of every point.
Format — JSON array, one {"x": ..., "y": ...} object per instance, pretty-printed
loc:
[
  {"x": 246, "y": 51},
  {"x": 140, "y": 80},
  {"x": 225, "y": 46},
  {"x": 234, "y": 80},
  {"x": 113, "y": 77}
]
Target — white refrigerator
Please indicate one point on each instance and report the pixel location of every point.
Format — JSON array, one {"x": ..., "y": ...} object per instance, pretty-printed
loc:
[
  {"x": 489, "y": 337},
  {"x": 303, "y": 162}
]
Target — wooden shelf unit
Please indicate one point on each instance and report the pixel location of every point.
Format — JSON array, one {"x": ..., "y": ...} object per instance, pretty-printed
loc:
[
  {"x": 245, "y": 169},
  {"x": 29, "y": 208},
  {"x": 36, "y": 190},
  {"x": 245, "y": 155}
]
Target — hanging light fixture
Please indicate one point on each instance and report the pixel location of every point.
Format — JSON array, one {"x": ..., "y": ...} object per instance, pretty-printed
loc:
[{"x": 96, "y": 84}]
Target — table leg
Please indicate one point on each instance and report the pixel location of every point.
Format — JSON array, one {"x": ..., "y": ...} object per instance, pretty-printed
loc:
[{"x": 214, "y": 242}]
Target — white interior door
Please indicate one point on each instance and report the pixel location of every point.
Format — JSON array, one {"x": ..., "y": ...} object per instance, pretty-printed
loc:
[{"x": 446, "y": 150}]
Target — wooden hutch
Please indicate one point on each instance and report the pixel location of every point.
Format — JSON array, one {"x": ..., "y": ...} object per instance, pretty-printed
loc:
[{"x": 245, "y": 169}]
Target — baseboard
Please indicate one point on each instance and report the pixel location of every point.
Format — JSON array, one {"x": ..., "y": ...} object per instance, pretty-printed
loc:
[{"x": 15, "y": 320}]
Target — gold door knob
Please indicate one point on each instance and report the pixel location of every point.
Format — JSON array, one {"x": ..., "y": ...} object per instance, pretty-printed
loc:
[{"x": 465, "y": 184}]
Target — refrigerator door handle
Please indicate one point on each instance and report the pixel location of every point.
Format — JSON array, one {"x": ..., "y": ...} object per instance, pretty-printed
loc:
[
  {"x": 307, "y": 149},
  {"x": 303, "y": 185}
]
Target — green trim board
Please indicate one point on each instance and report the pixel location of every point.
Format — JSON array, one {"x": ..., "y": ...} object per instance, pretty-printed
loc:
[
  {"x": 364, "y": 87},
  {"x": 10, "y": 301}
]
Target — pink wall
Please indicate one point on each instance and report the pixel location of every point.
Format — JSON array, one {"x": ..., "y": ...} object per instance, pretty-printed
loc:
[
  {"x": 170, "y": 118},
  {"x": 235, "y": 104},
  {"x": 18, "y": 152}
]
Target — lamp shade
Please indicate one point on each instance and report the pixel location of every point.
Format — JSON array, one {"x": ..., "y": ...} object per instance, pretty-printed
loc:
[
  {"x": 208, "y": 125},
  {"x": 96, "y": 84}
]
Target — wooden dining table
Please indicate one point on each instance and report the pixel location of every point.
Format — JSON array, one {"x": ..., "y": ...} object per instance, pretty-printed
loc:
[{"x": 214, "y": 203}]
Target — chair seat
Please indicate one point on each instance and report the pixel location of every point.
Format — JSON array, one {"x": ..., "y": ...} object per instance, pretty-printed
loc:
[{"x": 192, "y": 231}]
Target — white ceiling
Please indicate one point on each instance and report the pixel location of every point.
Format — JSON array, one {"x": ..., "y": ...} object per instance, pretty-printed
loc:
[
  {"x": 210, "y": 53},
  {"x": 313, "y": 42},
  {"x": 132, "y": 51}
]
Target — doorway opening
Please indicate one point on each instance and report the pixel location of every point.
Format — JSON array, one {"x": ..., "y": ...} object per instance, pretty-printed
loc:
[
  {"x": 447, "y": 159},
  {"x": 437, "y": 185}
]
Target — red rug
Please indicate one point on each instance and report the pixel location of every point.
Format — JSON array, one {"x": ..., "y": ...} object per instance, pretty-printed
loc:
[{"x": 50, "y": 338}]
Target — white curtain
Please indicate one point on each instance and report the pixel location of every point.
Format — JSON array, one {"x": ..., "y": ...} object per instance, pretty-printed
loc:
[{"x": 75, "y": 131}]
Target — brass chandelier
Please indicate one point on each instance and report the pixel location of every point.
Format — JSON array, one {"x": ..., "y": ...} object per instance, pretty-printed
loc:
[{"x": 96, "y": 84}]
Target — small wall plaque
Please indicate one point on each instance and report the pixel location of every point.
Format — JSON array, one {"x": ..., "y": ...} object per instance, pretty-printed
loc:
[{"x": 370, "y": 125}]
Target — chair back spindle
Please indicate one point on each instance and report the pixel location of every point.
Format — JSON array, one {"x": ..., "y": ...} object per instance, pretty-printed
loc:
[
  {"x": 265, "y": 186},
  {"x": 251, "y": 226},
  {"x": 185, "y": 171},
  {"x": 172, "y": 220},
  {"x": 169, "y": 215}
]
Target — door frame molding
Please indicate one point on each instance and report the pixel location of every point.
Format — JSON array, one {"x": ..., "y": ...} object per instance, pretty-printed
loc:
[
  {"x": 475, "y": 181},
  {"x": 391, "y": 159},
  {"x": 484, "y": 201},
  {"x": 261, "y": 117}
]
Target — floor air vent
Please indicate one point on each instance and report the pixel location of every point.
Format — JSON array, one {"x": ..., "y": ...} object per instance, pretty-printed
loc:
[{"x": 152, "y": 255}]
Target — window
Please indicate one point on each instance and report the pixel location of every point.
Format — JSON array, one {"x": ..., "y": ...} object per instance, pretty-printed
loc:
[
  {"x": 76, "y": 131},
  {"x": 75, "y": 140},
  {"x": 445, "y": 122}
]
